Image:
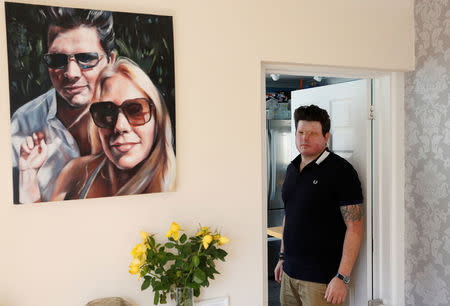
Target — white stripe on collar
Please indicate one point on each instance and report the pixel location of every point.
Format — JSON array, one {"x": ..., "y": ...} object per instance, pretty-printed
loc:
[{"x": 322, "y": 157}]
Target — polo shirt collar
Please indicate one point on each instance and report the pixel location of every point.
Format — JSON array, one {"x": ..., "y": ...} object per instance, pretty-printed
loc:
[
  {"x": 317, "y": 161},
  {"x": 322, "y": 156}
]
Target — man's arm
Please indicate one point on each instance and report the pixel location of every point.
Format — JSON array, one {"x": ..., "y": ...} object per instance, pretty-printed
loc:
[
  {"x": 353, "y": 216},
  {"x": 279, "y": 267}
]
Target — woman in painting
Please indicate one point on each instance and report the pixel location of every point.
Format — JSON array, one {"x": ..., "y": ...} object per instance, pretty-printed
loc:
[{"x": 131, "y": 139}]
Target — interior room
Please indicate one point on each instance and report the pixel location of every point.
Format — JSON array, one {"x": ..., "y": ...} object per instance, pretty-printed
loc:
[
  {"x": 76, "y": 251},
  {"x": 281, "y": 150}
]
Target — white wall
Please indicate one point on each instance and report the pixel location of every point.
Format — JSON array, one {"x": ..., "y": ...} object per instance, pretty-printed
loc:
[{"x": 68, "y": 253}]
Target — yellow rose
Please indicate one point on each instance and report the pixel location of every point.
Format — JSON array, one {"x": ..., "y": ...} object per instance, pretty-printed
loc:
[
  {"x": 173, "y": 231},
  {"x": 139, "y": 251},
  {"x": 134, "y": 269},
  {"x": 144, "y": 236},
  {"x": 207, "y": 240},
  {"x": 203, "y": 231},
  {"x": 136, "y": 251},
  {"x": 136, "y": 262},
  {"x": 223, "y": 240}
]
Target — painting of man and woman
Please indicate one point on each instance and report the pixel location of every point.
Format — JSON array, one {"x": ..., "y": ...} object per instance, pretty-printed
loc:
[{"x": 92, "y": 100}]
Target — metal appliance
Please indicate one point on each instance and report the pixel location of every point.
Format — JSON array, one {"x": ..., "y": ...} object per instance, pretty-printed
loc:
[{"x": 278, "y": 140}]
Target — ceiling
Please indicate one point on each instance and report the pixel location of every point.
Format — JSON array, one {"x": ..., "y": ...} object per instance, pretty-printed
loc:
[{"x": 292, "y": 82}]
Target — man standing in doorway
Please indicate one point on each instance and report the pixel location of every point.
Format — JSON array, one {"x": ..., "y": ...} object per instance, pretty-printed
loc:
[
  {"x": 324, "y": 218},
  {"x": 80, "y": 44}
]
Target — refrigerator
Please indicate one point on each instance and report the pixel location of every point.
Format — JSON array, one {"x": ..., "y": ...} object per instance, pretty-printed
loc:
[{"x": 278, "y": 139}]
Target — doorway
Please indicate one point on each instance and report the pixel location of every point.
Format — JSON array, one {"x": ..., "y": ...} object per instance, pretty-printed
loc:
[
  {"x": 345, "y": 99},
  {"x": 383, "y": 245}
]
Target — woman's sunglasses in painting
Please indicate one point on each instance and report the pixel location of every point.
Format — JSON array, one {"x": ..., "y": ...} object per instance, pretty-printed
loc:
[
  {"x": 85, "y": 60},
  {"x": 137, "y": 111}
]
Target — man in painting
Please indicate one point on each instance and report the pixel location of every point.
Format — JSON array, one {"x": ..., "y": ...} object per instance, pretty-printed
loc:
[
  {"x": 324, "y": 224},
  {"x": 80, "y": 44}
]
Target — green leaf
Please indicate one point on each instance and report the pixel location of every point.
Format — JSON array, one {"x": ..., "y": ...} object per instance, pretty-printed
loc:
[
  {"x": 144, "y": 270},
  {"x": 211, "y": 262},
  {"x": 146, "y": 284},
  {"x": 123, "y": 48},
  {"x": 197, "y": 292},
  {"x": 221, "y": 254},
  {"x": 183, "y": 238},
  {"x": 165, "y": 285},
  {"x": 184, "y": 251},
  {"x": 196, "y": 260},
  {"x": 163, "y": 299},
  {"x": 192, "y": 285},
  {"x": 214, "y": 270},
  {"x": 156, "y": 285},
  {"x": 170, "y": 256},
  {"x": 170, "y": 245},
  {"x": 164, "y": 260},
  {"x": 186, "y": 266},
  {"x": 156, "y": 298},
  {"x": 165, "y": 43},
  {"x": 199, "y": 276}
]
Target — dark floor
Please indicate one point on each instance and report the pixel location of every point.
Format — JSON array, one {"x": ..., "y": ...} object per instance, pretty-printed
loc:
[{"x": 274, "y": 293}]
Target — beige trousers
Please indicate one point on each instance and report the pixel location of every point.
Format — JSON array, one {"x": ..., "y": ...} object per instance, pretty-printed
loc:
[{"x": 295, "y": 292}]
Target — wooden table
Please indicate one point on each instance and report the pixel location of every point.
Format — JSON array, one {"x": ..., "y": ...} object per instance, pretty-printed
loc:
[{"x": 276, "y": 231}]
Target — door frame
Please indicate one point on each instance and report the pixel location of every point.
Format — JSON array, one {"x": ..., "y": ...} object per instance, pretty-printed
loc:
[{"x": 387, "y": 218}]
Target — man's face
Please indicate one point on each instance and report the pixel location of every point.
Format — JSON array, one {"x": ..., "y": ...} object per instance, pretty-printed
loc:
[
  {"x": 73, "y": 83},
  {"x": 309, "y": 139}
]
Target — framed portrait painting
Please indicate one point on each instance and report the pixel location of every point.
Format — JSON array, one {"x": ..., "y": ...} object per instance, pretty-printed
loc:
[{"x": 92, "y": 102}]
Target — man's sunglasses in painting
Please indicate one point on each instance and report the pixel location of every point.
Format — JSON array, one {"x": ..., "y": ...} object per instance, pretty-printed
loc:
[{"x": 85, "y": 60}]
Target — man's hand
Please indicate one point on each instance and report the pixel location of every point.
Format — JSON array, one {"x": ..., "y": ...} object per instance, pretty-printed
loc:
[
  {"x": 33, "y": 152},
  {"x": 336, "y": 291},
  {"x": 279, "y": 271}
]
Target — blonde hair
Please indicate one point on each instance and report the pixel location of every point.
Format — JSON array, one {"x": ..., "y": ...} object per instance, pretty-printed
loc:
[{"x": 157, "y": 173}]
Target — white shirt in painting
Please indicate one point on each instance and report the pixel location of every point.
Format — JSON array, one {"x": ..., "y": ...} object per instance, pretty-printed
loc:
[{"x": 39, "y": 115}]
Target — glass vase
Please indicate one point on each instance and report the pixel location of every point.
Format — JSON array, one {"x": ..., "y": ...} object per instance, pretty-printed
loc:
[{"x": 184, "y": 296}]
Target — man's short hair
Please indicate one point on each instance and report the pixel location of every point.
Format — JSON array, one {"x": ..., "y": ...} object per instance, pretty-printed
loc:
[
  {"x": 313, "y": 113},
  {"x": 69, "y": 18}
]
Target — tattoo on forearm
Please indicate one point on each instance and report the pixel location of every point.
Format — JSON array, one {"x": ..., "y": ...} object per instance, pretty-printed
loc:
[{"x": 352, "y": 212}]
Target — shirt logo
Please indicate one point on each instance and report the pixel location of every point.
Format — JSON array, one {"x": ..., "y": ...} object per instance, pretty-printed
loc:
[{"x": 315, "y": 182}]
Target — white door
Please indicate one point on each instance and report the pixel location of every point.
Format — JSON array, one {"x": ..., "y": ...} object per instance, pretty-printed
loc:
[{"x": 347, "y": 104}]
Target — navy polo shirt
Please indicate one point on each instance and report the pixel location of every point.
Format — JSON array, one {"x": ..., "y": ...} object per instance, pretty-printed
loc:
[{"x": 314, "y": 230}]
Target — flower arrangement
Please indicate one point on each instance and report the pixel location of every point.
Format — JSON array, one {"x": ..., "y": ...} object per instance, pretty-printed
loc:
[{"x": 186, "y": 262}]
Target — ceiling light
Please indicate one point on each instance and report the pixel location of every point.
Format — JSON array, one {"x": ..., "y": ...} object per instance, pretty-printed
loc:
[{"x": 275, "y": 76}]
